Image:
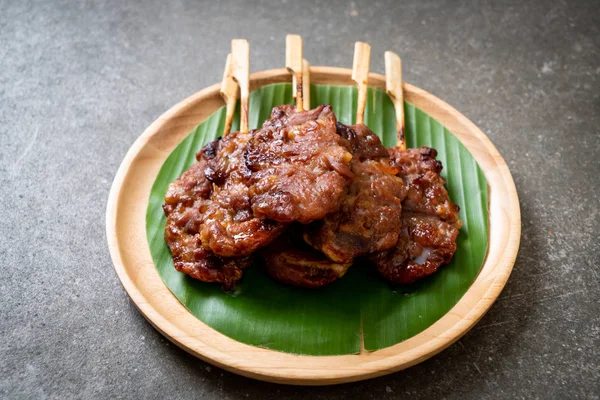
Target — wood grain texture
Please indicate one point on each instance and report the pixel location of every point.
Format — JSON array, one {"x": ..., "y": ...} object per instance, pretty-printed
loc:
[
  {"x": 240, "y": 67},
  {"x": 394, "y": 89},
  {"x": 306, "y": 84},
  {"x": 229, "y": 89},
  {"x": 360, "y": 76},
  {"x": 294, "y": 63},
  {"x": 126, "y": 234}
]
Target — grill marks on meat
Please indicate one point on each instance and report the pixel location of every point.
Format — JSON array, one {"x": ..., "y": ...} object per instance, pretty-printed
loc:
[
  {"x": 290, "y": 260},
  {"x": 230, "y": 228},
  {"x": 426, "y": 192},
  {"x": 425, "y": 243},
  {"x": 247, "y": 187},
  {"x": 362, "y": 142},
  {"x": 368, "y": 220},
  {"x": 186, "y": 200},
  {"x": 300, "y": 169},
  {"x": 303, "y": 167},
  {"x": 430, "y": 222}
]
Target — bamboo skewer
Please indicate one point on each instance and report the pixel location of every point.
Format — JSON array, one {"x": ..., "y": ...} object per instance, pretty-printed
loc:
[
  {"x": 293, "y": 62},
  {"x": 394, "y": 89},
  {"x": 306, "y": 84},
  {"x": 360, "y": 75},
  {"x": 229, "y": 88},
  {"x": 240, "y": 66}
]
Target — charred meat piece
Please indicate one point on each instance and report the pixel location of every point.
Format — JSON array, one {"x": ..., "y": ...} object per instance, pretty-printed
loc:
[
  {"x": 185, "y": 202},
  {"x": 430, "y": 222},
  {"x": 299, "y": 167},
  {"x": 368, "y": 220},
  {"x": 230, "y": 228},
  {"x": 219, "y": 210},
  {"x": 194, "y": 260},
  {"x": 291, "y": 261},
  {"x": 425, "y": 187},
  {"x": 362, "y": 142},
  {"x": 425, "y": 243}
]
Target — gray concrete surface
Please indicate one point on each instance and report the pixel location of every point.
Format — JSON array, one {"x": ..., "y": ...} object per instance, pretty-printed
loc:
[{"x": 79, "y": 81}]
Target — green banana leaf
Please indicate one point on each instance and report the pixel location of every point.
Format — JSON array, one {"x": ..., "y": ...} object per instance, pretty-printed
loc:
[{"x": 331, "y": 320}]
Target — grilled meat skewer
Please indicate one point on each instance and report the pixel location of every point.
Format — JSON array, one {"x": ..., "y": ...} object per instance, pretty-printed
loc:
[
  {"x": 247, "y": 187},
  {"x": 185, "y": 202},
  {"x": 368, "y": 218},
  {"x": 430, "y": 222}
]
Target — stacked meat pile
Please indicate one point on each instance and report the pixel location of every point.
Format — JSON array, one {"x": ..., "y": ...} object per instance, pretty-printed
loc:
[{"x": 309, "y": 195}]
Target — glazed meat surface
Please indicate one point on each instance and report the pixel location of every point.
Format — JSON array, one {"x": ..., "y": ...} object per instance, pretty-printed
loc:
[
  {"x": 290, "y": 260},
  {"x": 425, "y": 187},
  {"x": 299, "y": 166},
  {"x": 219, "y": 211},
  {"x": 230, "y": 228},
  {"x": 425, "y": 243},
  {"x": 185, "y": 202},
  {"x": 362, "y": 142},
  {"x": 368, "y": 220},
  {"x": 430, "y": 222},
  {"x": 309, "y": 195}
]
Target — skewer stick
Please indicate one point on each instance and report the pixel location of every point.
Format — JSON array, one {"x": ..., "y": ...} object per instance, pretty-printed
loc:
[
  {"x": 240, "y": 66},
  {"x": 229, "y": 90},
  {"x": 360, "y": 75},
  {"x": 393, "y": 87},
  {"x": 306, "y": 84},
  {"x": 293, "y": 62}
]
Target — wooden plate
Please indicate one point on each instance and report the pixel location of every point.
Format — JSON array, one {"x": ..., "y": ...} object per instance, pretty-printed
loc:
[{"x": 126, "y": 233}]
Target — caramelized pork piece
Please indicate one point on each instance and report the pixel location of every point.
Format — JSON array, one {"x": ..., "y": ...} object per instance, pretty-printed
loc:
[
  {"x": 362, "y": 142},
  {"x": 425, "y": 243},
  {"x": 246, "y": 187},
  {"x": 194, "y": 260},
  {"x": 299, "y": 167},
  {"x": 368, "y": 220},
  {"x": 230, "y": 229},
  {"x": 430, "y": 222},
  {"x": 291, "y": 261},
  {"x": 426, "y": 192},
  {"x": 185, "y": 203}
]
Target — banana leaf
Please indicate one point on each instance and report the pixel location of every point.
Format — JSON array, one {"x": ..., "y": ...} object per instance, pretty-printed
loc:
[{"x": 361, "y": 306}]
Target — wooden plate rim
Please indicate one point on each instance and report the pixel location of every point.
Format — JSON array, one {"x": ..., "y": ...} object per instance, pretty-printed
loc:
[{"x": 126, "y": 236}]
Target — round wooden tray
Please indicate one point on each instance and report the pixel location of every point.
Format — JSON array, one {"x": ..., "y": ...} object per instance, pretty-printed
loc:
[{"x": 126, "y": 233}]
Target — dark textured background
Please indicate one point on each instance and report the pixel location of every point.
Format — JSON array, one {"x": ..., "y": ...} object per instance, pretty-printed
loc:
[{"x": 80, "y": 81}]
